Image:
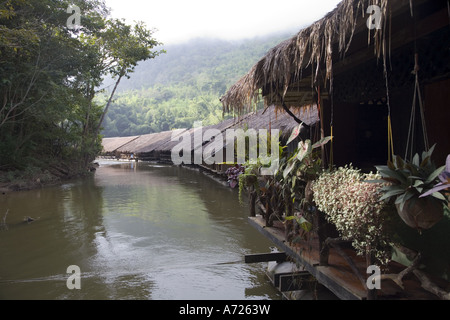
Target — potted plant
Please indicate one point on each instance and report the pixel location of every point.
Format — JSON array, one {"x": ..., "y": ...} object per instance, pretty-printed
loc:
[
  {"x": 352, "y": 205},
  {"x": 410, "y": 184}
]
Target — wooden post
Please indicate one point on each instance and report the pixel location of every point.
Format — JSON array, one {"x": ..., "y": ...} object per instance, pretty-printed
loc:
[
  {"x": 289, "y": 225},
  {"x": 269, "y": 222},
  {"x": 252, "y": 199},
  {"x": 323, "y": 235}
]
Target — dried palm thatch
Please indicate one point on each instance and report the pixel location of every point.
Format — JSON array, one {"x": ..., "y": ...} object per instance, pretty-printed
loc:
[{"x": 304, "y": 61}]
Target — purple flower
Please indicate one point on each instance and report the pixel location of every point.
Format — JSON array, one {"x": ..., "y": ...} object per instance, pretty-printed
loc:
[
  {"x": 233, "y": 174},
  {"x": 445, "y": 180}
]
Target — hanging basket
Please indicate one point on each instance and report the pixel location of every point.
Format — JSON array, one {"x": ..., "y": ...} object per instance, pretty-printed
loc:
[{"x": 421, "y": 213}]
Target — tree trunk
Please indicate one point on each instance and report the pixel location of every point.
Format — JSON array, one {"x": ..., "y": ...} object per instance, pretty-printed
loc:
[{"x": 109, "y": 103}]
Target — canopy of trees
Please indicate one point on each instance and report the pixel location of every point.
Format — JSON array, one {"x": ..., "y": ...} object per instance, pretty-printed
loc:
[{"x": 50, "y": 72}]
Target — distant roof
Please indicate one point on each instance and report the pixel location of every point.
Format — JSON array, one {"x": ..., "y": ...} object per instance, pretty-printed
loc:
[
  {"x": 269, "y": 118},
  {"x": 112, "y": 144},
  {"x": 149, "y": 142}
]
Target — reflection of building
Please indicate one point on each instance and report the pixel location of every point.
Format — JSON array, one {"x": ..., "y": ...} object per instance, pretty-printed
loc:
[{"x": 360, "y": 76}]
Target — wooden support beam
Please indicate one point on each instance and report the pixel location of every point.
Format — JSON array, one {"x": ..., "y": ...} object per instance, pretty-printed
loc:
[
  {"x": 321, "y": 273},
  {"x": 265, "y": 257}
]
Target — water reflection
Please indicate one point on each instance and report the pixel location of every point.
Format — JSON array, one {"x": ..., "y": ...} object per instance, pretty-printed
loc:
[{"x": 136, "y": 232}]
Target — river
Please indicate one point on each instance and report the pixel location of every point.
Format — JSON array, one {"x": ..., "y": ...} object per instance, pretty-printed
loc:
[{"x": 134, "y": 231}]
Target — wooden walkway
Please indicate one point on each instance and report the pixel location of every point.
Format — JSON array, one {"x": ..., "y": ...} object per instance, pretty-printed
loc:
[{"x": 337, "y": 276}]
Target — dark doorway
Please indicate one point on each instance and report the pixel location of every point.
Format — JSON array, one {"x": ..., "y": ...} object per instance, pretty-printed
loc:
[{"x": 371, "y": 135}]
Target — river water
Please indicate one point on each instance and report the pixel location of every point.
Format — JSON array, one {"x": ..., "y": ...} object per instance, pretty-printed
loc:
[{"x": 135, "y": 231}]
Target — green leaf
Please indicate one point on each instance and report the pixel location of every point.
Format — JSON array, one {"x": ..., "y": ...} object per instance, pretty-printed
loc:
[
  {"x": 295, "y": 133},
  {"x": 392, "y": 193},
  {"x": 428, "y": 153},
  {"x": 304, "y": 148},
  {"x": 439, "y": 196},
  {"x": 321, "y": 142},
  {"x": 424, "y": 162},
  {"x": 435, "y": 174},
  {"x": 416, "y": 160},
  {"x": 402, "y": 199},
  {"x": 395, "y": 174},
  {"x": 390, "y": 165},
  {"x": 304, "y": 224},
  {"x": 399, "y": 162},
  {"x": 289, "y": 168},
  {"x": 413, "y": 169},
  {"x": 418, "y": 183}
]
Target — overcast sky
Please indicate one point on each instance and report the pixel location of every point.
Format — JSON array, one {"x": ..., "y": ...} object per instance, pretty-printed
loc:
[{"x": 181, "y": 20}]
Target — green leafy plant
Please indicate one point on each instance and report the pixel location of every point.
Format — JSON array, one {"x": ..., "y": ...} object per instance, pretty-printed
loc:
[
  {"x": 301, "y": 221},
  {"x": 410, "y": 179},
  {"x": 304, "y": 159},
  {"x": 248, "y": 178},
  {"x": 411, "y": 184}
]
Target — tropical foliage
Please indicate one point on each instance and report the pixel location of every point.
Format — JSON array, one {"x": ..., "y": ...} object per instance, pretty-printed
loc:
[
  {"x": 50, "y": 74},
  {"x": 411, "y": 179}
]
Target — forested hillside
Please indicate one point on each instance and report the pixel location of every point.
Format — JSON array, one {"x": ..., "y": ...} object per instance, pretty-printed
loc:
[{"x": 183, "y": 85}]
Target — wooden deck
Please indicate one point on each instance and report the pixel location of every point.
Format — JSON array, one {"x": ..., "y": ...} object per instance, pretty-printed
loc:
[{"x": 337, "y": 276}]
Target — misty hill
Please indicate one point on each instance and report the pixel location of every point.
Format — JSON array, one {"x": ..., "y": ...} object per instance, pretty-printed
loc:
[{"x": 183, "y": 85}]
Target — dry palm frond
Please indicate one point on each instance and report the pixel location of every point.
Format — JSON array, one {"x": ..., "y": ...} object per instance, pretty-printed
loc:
[{"x": 312, "y": 48}]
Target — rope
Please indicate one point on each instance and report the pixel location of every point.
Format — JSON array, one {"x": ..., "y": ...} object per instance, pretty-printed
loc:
[
  {"x": 331, "y": 148},
  {"x": 390, "y": 140},
  {"x": 388, "y": 103},
  {"x": 422, "y": 113},
  {"x": 412, "y": 119},
  {"x": 321, "y": 124},
  {"x": 331, "y": 122},
  {"x": 418, "y": 95}
]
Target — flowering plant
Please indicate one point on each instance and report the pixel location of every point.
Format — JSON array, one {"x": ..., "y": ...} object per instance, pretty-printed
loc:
[
  {"x": 353, "y": 206},
  {"x": 444, "y": 184},
  {"x": 233, "y": 174}
]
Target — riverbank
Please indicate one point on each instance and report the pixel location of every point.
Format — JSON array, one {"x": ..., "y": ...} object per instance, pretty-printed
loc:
[{"x": 35, "y": 177}]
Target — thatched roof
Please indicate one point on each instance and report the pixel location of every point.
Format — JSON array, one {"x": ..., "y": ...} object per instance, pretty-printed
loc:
[
  {"x": 271, "y": 119},
  {"x": 290, "y": 71},
  {"x": 170, "y": 144},
  {"x": 148, "y": 142},
  {"x": 112, "y": 144}
]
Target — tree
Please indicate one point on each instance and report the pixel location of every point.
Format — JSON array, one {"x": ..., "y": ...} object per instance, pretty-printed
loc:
[
  {"x": 123, "y": 47},
  {"x": 50, "y": 75}
]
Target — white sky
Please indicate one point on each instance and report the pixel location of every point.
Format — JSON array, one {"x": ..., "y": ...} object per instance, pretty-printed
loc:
[{"x": 181, "y": 20}]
